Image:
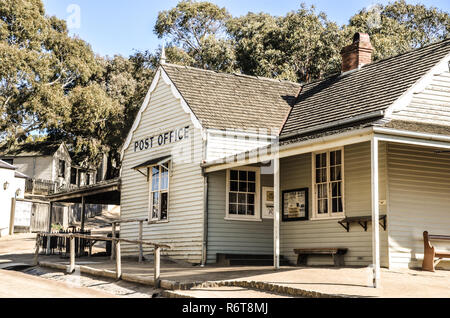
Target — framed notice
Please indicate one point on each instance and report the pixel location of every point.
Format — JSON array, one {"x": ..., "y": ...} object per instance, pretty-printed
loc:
[
  {"x": 295, "y": 205},
  {"x": 268, "y": 202}
]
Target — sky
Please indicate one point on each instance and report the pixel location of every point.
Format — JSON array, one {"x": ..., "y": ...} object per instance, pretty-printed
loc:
[{"x": 123, "y": 26}]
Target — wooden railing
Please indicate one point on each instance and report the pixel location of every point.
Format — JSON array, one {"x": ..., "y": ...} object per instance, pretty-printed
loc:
[
  {"x": 115, "y": 241},
  {"x": 141, "y": 226}
]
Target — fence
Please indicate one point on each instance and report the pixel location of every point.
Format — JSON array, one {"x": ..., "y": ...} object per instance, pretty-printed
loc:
[
  {"x": 141, "y": 226},
  {"x": 39, "y": 186},
  {"x": 116, "y": 242}
]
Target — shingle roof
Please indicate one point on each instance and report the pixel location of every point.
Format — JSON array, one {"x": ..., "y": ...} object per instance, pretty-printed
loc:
[
  {"x": 31, "y": 149},
  {"x": 234, "y": 101},
  {"x": 5, "y": 165},
  {"x": 372, "y": 88}
]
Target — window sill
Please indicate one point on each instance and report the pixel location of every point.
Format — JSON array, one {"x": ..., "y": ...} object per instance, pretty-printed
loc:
[
  {"x": 158, "y": 221},
  {"x": 243, "y": 219},
  {"x": 340, "y": 217}
]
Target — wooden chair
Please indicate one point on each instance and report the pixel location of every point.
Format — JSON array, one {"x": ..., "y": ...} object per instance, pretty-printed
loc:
[{"x": 430, "y": 252}]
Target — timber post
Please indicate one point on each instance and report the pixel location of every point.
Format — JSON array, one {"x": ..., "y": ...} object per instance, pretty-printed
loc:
[
  {"x": 36, "y": 251},
  {"x": 157, "y": 266},
  {"x": 118, "y": 261},
  {"x": 13, "y": 215},
  {"x": 113, "y": 243},
  {"x": 49, "y": 227},
  {"x": 71, "y": 268},
  {"x": 141, "y": 250}
]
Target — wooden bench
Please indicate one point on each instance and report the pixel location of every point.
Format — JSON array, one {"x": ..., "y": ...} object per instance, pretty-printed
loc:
[
  {"x": 430, "y": 252},
  {"x": 337, "y": 253}
]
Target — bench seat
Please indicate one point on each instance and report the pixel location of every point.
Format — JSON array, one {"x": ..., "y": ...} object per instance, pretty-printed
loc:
[
  {"x": 336, "y": 253},
  {"x": 430, "y": 253}
]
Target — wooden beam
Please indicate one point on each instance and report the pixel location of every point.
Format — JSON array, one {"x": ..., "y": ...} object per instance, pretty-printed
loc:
[
  {"x": 83, "y": 212},
  {"x": 12, "y": 216},
  {"x": 49, "y": 226},
  {"x": 141, "y": 250},
  {"x": 375, "y": 213},
  {"x": 276, "y": 213},
  {"x": 118, "y": 261},
  {"x": 36, "y": 250},
  {"x": 113, "y": 242},
  {"x": 157, "y": 274},
  {"x": 71, "y": 268}
]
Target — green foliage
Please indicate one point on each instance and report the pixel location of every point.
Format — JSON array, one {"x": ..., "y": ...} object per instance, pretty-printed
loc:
[
  {"x": 399, "y": 27},
  {"x": 197, "y": 28}
]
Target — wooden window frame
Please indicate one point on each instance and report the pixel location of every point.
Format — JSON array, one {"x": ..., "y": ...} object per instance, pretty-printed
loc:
[
  {"x": 61, "y": 174},
  {"x": 330, "y": 215},
  {"x": 166, "y": 166},
  {"x": 235, "y": 217}
]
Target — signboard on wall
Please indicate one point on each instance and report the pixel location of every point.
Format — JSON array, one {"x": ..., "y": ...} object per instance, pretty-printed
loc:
[
  {"x": 268, "y": 202},
  {"x": 169, "y": 137},
  {"x": 295, "y": 205},
  {"x": 22, "y": 213}
]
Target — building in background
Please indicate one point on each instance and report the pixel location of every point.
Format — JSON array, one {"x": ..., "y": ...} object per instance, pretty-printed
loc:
[{"x": 12, "y": 186}]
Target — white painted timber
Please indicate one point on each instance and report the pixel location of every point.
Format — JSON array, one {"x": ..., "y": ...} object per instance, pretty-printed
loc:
[
  {"x": 431, "y": 104},
  {"x": 184, "y": 228},
  {"x": 419, "y": 196},
  {"x": 221, "y": 144},
  {"x": 296, "y": 173},
  {"x": 230, "y": 236}
]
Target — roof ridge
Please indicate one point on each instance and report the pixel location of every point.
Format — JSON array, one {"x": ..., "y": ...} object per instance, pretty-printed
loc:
[{"x": 233, "y": 74}]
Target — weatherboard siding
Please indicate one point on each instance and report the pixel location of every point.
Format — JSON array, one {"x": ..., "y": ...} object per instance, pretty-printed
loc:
[
  {"x": 230, "y": 236},
  {"x": 222, "y": 145},
  {"x": 296, "y": 172},
  {"x": 184, "y": 229},
  {"x": 431, "y": 105},
  {"x": 419, "y": 196}
]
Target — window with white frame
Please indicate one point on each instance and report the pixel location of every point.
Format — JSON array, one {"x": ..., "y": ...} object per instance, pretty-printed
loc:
[
  {"x": 243, "y": 191},
  {"x": 328, "y": 183},
  {"x": 159, "y": 192}
]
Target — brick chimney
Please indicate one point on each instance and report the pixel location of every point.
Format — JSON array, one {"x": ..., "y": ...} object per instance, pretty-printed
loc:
[{"x": 358, "y": 53}]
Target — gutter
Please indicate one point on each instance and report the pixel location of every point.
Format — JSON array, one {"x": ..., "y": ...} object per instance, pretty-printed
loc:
[
  {"x": 411, "y": 134},
  {"x": 372, "y": 115}
]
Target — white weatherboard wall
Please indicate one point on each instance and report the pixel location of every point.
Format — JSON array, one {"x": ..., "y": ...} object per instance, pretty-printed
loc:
[
  {"x": 221, "y": 144},
  {"x": 35, "y": 167},
  {"x": 430, "y": 105},
  {"x": 7, "y": 175},
  {"x": 184, "y": 229},
  {"x": 419, "y": 196},
  {"x": 234, "y": 237},
  {"x": 296, "y": 172}
]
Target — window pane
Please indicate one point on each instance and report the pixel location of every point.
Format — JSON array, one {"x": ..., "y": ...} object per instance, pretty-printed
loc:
[
  {"x": 334, "y": 203},
  {"x": 242, "y": 198},
  {"x": 339, "y": 157},
  {"x": 164, "y": 179},
  {"x": 242, "y": 175},
  {"x": 233, "y": 197},
  {"x": 164, "y": 204},
  {"x": 234, "y": 186},
  {"x": 323, "y": 160},
  {"x": 251, "y": 176},
  {"x": 251, "y": 209},
  {"x": 242, "y": 209},
  {"x": 252, "y": 187},
  {"x": 234, "y": 175},
  {"x": 250, "y": 198},
  {"x": 233, "y": 209},
  {"x": 155, "y": 178},
  {"x": 334, "y": 189},
  {"x": 332, "y": 158},
  {"x": 242, "y": 186}
]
